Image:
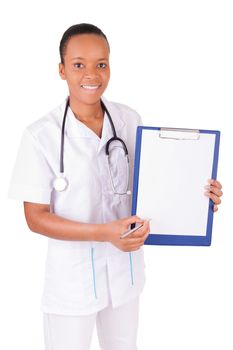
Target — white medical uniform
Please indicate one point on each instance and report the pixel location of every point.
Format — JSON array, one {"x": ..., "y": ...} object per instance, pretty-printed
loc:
[{"x": 80, "y": 275}]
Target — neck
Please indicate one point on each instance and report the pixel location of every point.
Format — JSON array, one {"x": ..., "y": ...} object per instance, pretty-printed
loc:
[{"x": 86, "y": 112}]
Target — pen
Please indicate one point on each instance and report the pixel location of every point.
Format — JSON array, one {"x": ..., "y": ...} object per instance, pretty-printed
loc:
[{"x": 125, "y": 234}]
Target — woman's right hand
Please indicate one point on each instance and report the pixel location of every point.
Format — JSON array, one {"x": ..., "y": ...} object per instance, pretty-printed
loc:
[{"x": 131, "y": 242}]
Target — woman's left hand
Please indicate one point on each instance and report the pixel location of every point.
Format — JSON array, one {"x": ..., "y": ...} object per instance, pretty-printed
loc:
[{"x": 214, "y": 192}]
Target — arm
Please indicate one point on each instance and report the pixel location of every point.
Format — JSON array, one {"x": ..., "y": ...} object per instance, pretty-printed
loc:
[{"x": 41, "y": 220}]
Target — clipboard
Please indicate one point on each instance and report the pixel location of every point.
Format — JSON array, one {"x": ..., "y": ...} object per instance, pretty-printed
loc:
[{"x": 172, "y": 167}]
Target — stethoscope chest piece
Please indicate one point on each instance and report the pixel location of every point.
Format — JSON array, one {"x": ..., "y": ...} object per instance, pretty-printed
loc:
[{"x": 60, "y": 184}]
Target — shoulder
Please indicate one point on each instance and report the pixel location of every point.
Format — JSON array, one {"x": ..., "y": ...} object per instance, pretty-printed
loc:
[
  {"x": 124, "y": 108},
  {"x": 49, "y": 122}
]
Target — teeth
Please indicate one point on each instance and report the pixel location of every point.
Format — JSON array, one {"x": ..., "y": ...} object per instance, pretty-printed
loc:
[{"x": 90, "y": 87}]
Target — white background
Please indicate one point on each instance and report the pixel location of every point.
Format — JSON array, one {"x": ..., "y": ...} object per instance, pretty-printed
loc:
[{"x": 172, "y": 62}]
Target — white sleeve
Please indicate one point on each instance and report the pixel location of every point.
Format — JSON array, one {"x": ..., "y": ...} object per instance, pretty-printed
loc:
[{"x": 32, "y": 176}]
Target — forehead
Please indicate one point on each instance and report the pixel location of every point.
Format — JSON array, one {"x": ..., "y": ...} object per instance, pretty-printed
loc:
[{"x": 87, "y": 46}]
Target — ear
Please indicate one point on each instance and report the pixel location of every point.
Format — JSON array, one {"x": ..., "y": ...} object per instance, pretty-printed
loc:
[{"x": 62, "y": 71}]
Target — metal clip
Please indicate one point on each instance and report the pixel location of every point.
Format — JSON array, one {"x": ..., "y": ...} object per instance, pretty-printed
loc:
[{"x": 179, "y": 134}]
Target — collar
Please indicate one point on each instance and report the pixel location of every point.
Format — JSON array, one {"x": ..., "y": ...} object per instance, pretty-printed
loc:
[{"x": 76, "y": 129}]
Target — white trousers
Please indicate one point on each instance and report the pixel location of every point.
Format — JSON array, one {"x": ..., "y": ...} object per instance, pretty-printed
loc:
[{"x": 116, "y": 329}]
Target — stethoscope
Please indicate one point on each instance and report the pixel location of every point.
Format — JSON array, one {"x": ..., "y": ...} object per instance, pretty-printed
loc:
[{"x": 61, "y": 183}]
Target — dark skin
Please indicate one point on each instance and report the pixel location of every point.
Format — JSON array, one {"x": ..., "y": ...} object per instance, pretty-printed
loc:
[
  {"x": 87, "y": 73},
  {"x": 85, "y": 67}
]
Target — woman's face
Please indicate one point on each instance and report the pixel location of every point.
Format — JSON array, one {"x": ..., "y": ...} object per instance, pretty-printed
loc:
[{"x": 86, "y": 67}]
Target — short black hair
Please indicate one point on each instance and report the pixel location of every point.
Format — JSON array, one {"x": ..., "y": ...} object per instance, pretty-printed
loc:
[{"x": 78, "y": 29}]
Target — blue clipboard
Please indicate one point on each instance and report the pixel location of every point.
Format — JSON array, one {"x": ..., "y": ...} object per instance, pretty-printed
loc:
[{"x": 171, "y": 168}]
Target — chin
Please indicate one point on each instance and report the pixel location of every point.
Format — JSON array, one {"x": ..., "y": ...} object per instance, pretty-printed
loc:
[{"x": 88, "y": 99}]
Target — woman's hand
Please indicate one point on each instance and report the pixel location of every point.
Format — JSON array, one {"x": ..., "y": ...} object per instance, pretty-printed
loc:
[
  {"x": 133, "y": 241},
  {"x": 214, "y": 192}
]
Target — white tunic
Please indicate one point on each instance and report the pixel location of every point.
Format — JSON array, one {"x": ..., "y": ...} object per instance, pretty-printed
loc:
[{"x": 78, "y": 272}]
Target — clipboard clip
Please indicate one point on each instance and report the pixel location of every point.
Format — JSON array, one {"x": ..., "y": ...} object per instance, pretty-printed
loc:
[{"x": 179, "y": 134}]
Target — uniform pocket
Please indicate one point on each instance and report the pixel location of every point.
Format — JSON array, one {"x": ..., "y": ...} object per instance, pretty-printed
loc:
[{"x": 118, "y": 169}]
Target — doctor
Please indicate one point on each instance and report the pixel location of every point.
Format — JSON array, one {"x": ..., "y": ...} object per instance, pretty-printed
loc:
[{"x": 79, "y": 197}]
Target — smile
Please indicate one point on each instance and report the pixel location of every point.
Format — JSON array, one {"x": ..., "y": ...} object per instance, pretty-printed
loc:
[{"x": 90, "y": 87}]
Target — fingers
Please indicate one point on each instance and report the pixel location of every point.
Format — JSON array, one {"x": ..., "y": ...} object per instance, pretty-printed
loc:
[
  {"x": 214, "y": 192},
  {"x": 133, "y": 220},
  {"x": 136, "y": 239},
  {"x": 135, "y": 243},
  {"x": 142, "y": 231},
  {"x": 214, "y": 189},
  {"x": 139, "y": 236},
  {"x": 215, "y": 183},
  {"x": 213, "y": 197}
]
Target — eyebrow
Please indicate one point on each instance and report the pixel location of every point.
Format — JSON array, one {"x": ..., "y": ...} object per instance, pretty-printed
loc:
[{"x": 82, "y": 58}]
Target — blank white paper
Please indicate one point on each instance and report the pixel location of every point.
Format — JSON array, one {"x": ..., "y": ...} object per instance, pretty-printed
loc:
[{"x": 172, "y": 177}]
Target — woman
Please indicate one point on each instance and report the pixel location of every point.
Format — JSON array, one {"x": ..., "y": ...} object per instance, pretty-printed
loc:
[{"x": 92, "y": 276}]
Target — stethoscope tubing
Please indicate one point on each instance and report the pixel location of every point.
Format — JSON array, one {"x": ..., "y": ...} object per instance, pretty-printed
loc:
[
  {"x": 63, "y": 137},
  {"x": 114, "y": 138},
  {"x": 61, "y": 183}
]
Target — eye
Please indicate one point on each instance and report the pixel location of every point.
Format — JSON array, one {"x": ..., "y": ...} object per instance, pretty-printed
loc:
[
  {"x": 102, "y": 65},
  {"x": 78, "y": 65}
]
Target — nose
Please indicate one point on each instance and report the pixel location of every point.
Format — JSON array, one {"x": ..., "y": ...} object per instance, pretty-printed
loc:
[{"x": 90, "y": 73}]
